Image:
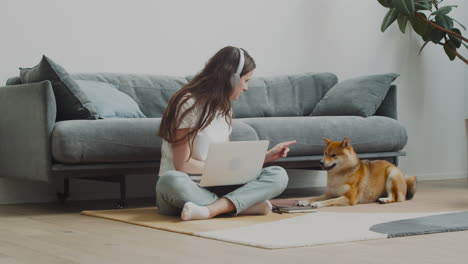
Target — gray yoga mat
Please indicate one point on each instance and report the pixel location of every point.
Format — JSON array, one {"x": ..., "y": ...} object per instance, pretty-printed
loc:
[{"x": 424, "y": 225}]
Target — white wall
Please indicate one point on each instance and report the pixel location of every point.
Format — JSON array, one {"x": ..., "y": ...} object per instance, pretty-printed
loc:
[{"x": 178, "y": 37}]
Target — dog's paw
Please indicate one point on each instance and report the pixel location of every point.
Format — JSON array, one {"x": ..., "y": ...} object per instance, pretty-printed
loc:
[
  {"x": 316, "y": 204},
  {"x": 303, "y": 203},
  {"x": 382, "y": 200}
]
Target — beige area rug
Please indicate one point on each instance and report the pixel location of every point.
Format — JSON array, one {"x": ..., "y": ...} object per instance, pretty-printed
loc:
[
  {"x": 329, "y": 225},
  {"x": 150, "y": 217}
]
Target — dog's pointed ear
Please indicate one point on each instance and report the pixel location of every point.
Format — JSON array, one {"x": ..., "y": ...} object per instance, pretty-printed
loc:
[
  {"x": 345, "y": 142},
  {"x": 326, "y": 140}
]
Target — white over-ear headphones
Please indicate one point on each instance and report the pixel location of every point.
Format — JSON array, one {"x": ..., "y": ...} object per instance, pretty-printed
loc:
[{"x": 235, "y": 80}]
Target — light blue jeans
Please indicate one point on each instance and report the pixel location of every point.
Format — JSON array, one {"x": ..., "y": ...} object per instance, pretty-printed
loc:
[{"x": 175, "y": 188}]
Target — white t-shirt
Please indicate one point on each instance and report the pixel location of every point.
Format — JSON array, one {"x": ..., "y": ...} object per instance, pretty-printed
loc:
[{"x": 217, "y": 131}]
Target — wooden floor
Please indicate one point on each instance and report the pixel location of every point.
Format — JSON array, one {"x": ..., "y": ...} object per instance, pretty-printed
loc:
[{"x": 53, "y": 233}]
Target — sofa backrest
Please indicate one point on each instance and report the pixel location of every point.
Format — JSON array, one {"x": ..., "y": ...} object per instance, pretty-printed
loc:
[
  {"x": 283, "y": 95},
  {"x": 151, "y": 92},
  {"x": 280, "y": 95}
]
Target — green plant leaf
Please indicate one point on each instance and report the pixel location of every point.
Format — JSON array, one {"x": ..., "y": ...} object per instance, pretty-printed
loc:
[
  {"x": 427, "y": 36},
  {"x": 389, "y": 18},
  {"x": 419, "y": 6},
  {"x": 450, "y": 53},
  {"x": 386, "y": 3},
  {"x": 459, "y": 24},
  {"x": 425, "y": 43},
  {"x": 406, "y": 7},
  {"x": 444, "y": 21},
  {"x": 402, "y": 21},
  {"x": 423, "y": 4},
  {"x": 419, "y": 26},
  {"x": 436, "y": 35},
  {"x": 454, "y": 39},
  {"x": 443, "y": 10}
]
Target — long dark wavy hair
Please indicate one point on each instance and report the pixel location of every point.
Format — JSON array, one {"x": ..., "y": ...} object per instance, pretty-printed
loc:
[{"x": 211, "y": 89}]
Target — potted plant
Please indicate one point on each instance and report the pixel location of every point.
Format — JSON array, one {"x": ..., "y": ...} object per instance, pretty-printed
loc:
[{"x": 436, "y": 27}]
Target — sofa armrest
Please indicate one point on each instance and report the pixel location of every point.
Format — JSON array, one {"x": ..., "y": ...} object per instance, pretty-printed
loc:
[
  {"x": 26, "y": 123},
  {"x": 388, "y": 107}
]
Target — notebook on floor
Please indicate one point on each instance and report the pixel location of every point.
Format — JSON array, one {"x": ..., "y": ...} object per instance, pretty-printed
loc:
[{"x": 290, "y": 206}]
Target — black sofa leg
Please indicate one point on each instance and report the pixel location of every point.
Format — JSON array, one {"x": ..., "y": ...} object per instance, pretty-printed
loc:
[
  {"x": 63, "y": 196},
  {"x": 121, "y": 204}
]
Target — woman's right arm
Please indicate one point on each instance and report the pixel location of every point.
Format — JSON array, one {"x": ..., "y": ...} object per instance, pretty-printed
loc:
[{"x": 181, "y": 152}]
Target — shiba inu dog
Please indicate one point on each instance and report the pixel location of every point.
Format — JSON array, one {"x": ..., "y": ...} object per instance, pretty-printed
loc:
[{"x": 351, "y": 180}]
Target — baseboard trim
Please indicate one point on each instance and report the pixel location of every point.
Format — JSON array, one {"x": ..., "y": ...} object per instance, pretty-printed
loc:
[
  {"x": 441, "y": 176},
  {"x": 317, "y": 178},
  {"x": 14, "y": 192}
]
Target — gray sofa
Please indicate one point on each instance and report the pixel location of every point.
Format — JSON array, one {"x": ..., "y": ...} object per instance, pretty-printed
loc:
[{"x": 36, "y": 147}]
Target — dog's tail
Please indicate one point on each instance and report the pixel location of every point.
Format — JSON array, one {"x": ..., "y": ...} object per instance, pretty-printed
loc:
[{"x": 410, "y": 187}]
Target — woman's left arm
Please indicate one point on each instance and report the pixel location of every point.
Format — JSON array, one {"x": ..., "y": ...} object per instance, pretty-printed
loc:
[{"x": 279, "y": 151}]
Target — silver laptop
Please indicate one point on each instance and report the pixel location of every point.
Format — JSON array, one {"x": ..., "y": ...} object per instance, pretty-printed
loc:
[{"x": 235, "y": 162}]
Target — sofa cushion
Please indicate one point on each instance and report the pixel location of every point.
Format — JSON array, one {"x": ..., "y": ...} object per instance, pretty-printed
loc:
[
  {"x": 109, "y": 101},
  {"x": 359, "y": 96},
  {"x": 106, "y": 140},
  {"x": 283, "y": 95},
  {"x": 13, "y": 80},
  {"x": 151, "y": 92},
  {"x": 242, "y": 132},
  {"x": 72, "y": 103},
  {"x": 130, "y": 140},
  {"x": 371, "y": 134},
  {"x": 117, "y": 140}
]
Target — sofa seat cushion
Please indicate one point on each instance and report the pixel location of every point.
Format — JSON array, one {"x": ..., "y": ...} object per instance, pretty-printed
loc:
[
  {"x": 370, "y": 134},
  {"x": 117, "y": 140},
  {"x": 106, "y": 140}
]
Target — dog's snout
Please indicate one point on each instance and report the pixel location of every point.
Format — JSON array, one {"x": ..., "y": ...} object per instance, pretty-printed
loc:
[{"x": 322, "y": 163}]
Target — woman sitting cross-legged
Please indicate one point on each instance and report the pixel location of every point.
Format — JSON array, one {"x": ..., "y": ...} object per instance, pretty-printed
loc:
[{"x": 198, "y": 114}]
